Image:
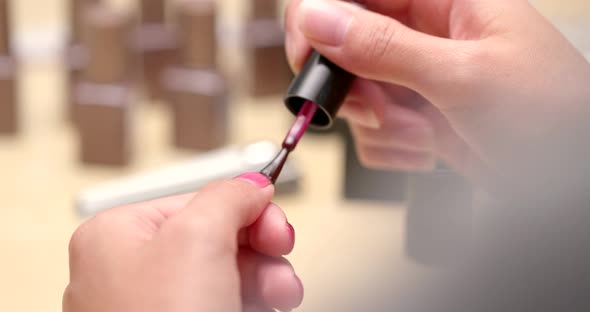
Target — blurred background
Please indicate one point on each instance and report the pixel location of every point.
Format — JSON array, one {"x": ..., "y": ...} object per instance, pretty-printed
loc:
[{"x": 55, "y": 156}]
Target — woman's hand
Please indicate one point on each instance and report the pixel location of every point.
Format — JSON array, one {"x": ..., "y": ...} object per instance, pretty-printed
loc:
[
  {"x": 482, "y": 84},
  {"x": 217, "y": 250}
]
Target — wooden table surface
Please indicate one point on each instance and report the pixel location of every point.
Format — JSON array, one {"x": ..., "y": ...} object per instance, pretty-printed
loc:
[{"x": 341, "y": 245}]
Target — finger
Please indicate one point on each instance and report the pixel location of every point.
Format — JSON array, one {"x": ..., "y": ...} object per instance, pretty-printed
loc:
[
  {"x": 394, "y": 159},
  {"x": 391, "y": 106},
  {"x": 387, "y": 7},
  {"x": 295, "y": 43},
  {"x": 377, "y": 47},
  {"x": 298, "y": 49},
  {"x": 415, "y": 139},
  {"x": 155, "y": 212},
  {"x": 365, "y": 103},
  {"x": 429, "y": 16},
  {"x": 272, "y": 234},
  {"x": 204, "y": 235},
  {"x": 268, "y": 281},
  {"x": 231, "y": 204}
]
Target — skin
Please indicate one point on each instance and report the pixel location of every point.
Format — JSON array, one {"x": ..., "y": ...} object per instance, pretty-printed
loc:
[
  {"x": 473, "y": 83},
  {"x": 218, "y": 250},
  {"x": 480, "y": 84}
]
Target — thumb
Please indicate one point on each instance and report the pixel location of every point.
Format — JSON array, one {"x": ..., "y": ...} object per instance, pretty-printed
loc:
[
  {"x": 377, "y": 47},
  {"x": 221, "y": 209}
]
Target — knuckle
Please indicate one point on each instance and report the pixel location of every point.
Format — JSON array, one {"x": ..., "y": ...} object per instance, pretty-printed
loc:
[
  {"x": 467, "y": 63},
  {"x": 378, "y": 44},
  {"x": 463, "y": 84},
  {"x": 191, "y": 227}
]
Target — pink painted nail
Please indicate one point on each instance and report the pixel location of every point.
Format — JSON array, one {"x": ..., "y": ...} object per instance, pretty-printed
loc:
[
  {"x": 255, "y": 178},
  {"x": 291, "y": 230}
]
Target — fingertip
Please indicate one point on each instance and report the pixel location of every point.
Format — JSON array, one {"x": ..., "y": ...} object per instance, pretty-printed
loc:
[
  {"x": 262, "y": 182},
  {"x": 230, "y": 205},
  {"x": 296, "y": 46},
  {"x": 395, "y": 158},
  {"x": 280, "y": 287},
  {"x": 360, "y": 114},
  {"x": 255, "y": 178},
  {"x": 272, "y": 234}
]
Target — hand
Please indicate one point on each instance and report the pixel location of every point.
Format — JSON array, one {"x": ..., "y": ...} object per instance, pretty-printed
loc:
[
  {"x": 481, "y": 84},
  {"x": 218, "y": 250}
]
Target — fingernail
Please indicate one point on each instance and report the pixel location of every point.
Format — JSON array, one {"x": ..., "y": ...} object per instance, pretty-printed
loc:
[
  {"x": 324, "y": 21},
  {"x": 358, "y": 113},
  {"x": 255, "y": 178},
  {"x": 372, "y": 120},
  {"x": 291, "y": 49},
  {"x": 291, "y": 230}
]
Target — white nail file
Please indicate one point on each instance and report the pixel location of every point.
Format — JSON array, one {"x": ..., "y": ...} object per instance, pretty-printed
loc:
[{"x": 185, "y": 177}]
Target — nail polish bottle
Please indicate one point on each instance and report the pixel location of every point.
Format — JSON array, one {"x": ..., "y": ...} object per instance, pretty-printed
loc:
[
  {"x": 196, "y": 31},
  {"x": 323, "y": 83},
  {"x": 198, "y": 93},
  {"x": 8, "y": 75},
  {"x": 267, "y": 63},
  {"x": 106, "y": 91},
  {"x": 264, "y": 9},
  {"x": 75, "y": 53},
  {"x": 158, "y": 45},
  {"x": 327, "y": 85},
  {"x": 8, "y": 96}
]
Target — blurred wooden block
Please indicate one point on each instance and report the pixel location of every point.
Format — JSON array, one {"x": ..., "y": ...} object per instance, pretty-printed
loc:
[
  {"x": 268, "y": 70},
  {"x": 110, "y": 46},
  {"x": 199, "y": 100},
  {"x": 196, "y": 28},
  {"x": 159, "y": 46},
  {"x": 75, "y": 55},
  {"x": 263, "y": 9},
  {"x": 104, "y": 122},
  {"x": 8, "y": 75},
  {"x": 5, "y": 27},
  {"x": 104, "y": 92},
  {"x": 77, "y": 13},
  {"x": 75, "y": 61},
  {"x": 8, "y": 96},
  {"x": 153, "y": 11}
]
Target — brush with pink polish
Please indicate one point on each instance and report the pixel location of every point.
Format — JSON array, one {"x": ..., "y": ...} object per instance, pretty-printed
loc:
[
  {"x": 314, "y": 96},
  {"x": 273, "y": 169}
]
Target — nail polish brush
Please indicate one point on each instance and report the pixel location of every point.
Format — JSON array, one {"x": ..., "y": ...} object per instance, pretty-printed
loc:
[{"x": 315, "y": 96}]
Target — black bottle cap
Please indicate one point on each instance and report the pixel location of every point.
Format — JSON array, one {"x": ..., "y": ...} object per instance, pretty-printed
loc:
[{"x": 323, "y": 83}]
